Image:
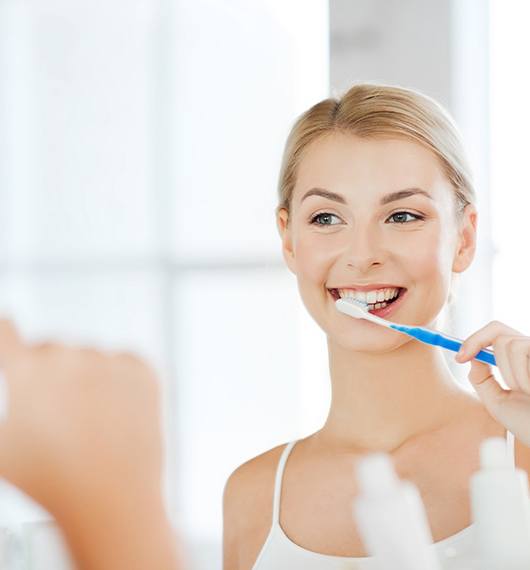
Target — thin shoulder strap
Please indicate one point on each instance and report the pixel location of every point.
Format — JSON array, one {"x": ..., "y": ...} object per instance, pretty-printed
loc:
[
  {"x": 278, "y": 482},
  {"x": 510, "y": 443}
]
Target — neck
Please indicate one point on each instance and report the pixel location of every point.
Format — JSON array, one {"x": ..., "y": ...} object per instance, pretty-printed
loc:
[{"x": 380, "y": 401}]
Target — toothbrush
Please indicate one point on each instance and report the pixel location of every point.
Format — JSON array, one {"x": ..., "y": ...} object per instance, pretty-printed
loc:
[{"x": 357, "y": 309}]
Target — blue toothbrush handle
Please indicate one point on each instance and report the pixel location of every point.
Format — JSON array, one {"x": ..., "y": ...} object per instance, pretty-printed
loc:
[
  {"x": 445, "y": 341},
  {"x": 486, "y": 356},
  {"x": 453, "y": 343}
]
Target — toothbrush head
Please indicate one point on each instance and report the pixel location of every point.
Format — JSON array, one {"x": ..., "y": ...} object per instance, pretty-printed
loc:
[
  {"x": 358, "y": 302},
  {"x": 353, "y": 307},
  {"x": 359, "y": 310}
]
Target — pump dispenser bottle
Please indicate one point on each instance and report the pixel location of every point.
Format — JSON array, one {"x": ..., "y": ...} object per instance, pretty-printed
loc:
[
  {"x": 500, "y": 509},
  {"x": 391, "y": 518}
]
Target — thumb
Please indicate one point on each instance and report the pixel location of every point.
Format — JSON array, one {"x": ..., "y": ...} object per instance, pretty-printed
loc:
[{"x": 486, "y": 385}]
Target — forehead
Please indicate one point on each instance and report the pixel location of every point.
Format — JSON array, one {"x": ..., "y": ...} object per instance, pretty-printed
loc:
[{"x": 345, "y": 162}]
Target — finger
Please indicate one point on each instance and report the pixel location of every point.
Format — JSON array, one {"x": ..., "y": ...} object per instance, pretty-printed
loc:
[
  {"x": 10, "y": 341},
  {"x": 486, "y": 336},
  {"x": 519, "y": 352},
  {"x": 504, "y": 360},
  {"x": 488, "y": 389}
]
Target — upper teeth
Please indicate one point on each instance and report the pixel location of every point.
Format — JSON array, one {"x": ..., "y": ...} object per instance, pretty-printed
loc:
[{"x": 370, "y": 297}]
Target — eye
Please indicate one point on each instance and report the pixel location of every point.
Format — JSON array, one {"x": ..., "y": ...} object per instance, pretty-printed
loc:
[
  {"x": 416, "y": 216},
  {"x": 323, "y": 215}
]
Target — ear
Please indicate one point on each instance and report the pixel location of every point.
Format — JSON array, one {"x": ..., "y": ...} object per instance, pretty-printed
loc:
[
  {"x": 467, "y": 240},
  {"x": 284, "y": 229}
]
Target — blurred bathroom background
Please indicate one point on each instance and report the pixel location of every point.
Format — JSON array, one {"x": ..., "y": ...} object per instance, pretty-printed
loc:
[{"x": 140, "y": 143}]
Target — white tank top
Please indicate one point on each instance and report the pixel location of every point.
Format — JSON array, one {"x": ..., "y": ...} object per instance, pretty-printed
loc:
[{"x": 279, "y": 552}]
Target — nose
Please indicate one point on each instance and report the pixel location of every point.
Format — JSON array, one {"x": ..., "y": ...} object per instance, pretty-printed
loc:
[{"x": 364, "y": 247}]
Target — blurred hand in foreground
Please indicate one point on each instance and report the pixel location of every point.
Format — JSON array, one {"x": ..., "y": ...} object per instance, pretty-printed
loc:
[{"x": 81, "y": 435}]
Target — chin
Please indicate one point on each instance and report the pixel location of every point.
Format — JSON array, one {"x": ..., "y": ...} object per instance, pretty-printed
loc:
[{"x": 377, "y": 340}]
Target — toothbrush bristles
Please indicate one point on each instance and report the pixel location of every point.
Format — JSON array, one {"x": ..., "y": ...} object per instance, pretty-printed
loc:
[{"x": 359, "y": 303}]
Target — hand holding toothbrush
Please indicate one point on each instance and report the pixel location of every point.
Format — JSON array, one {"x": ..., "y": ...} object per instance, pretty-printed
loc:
[{"x": 512, "y": 353}]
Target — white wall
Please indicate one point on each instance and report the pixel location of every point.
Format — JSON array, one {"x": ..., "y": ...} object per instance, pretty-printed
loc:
[
  {"x": 403, "y": 42},
  {"x": 509, "y": 83}
]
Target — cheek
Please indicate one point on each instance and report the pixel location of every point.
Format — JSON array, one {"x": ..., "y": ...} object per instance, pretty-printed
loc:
[
  {"x": 314, "y": 264},
  {"x": 314, "y": 260},
  {"x": 430, "y": 266}
]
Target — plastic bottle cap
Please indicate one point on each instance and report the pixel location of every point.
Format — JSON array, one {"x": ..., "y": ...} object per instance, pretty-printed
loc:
[
  {"x": 493, "y": 453},
  {"x": 376, "y": 473}
]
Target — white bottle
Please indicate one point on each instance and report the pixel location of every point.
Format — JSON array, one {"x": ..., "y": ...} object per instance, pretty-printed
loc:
[
  {"x": 46, "y": 546},
  {"x": 3, "y": 547},
  {"x": 391, "y": 518},
  {"x": 500, "y": 509}
]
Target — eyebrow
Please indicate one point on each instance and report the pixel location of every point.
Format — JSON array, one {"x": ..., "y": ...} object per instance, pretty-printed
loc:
[{"x": 387, "y": 198}]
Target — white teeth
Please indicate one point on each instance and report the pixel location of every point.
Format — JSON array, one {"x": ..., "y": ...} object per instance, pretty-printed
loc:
[{"x": 370, "y": 297}]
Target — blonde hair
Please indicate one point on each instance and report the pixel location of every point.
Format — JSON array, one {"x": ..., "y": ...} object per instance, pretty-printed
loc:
[{"x": 375, "y": 110}]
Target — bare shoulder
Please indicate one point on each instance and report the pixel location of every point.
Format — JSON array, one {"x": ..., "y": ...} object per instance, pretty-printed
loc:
[
  {"x": 252, "y": 480},
  {"x": 247, "y": 509}
]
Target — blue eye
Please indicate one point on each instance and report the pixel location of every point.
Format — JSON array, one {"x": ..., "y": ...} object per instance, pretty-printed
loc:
[
  {"x": 417, "y": 216},
  {"x": 321, "y": 215}
]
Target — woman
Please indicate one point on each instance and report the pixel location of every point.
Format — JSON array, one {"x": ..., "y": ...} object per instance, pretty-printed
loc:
[{"x": 376, "y": 198}]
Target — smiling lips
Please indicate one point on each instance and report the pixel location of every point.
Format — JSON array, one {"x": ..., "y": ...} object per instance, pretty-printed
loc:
[{"x": 369, "y": 295}]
